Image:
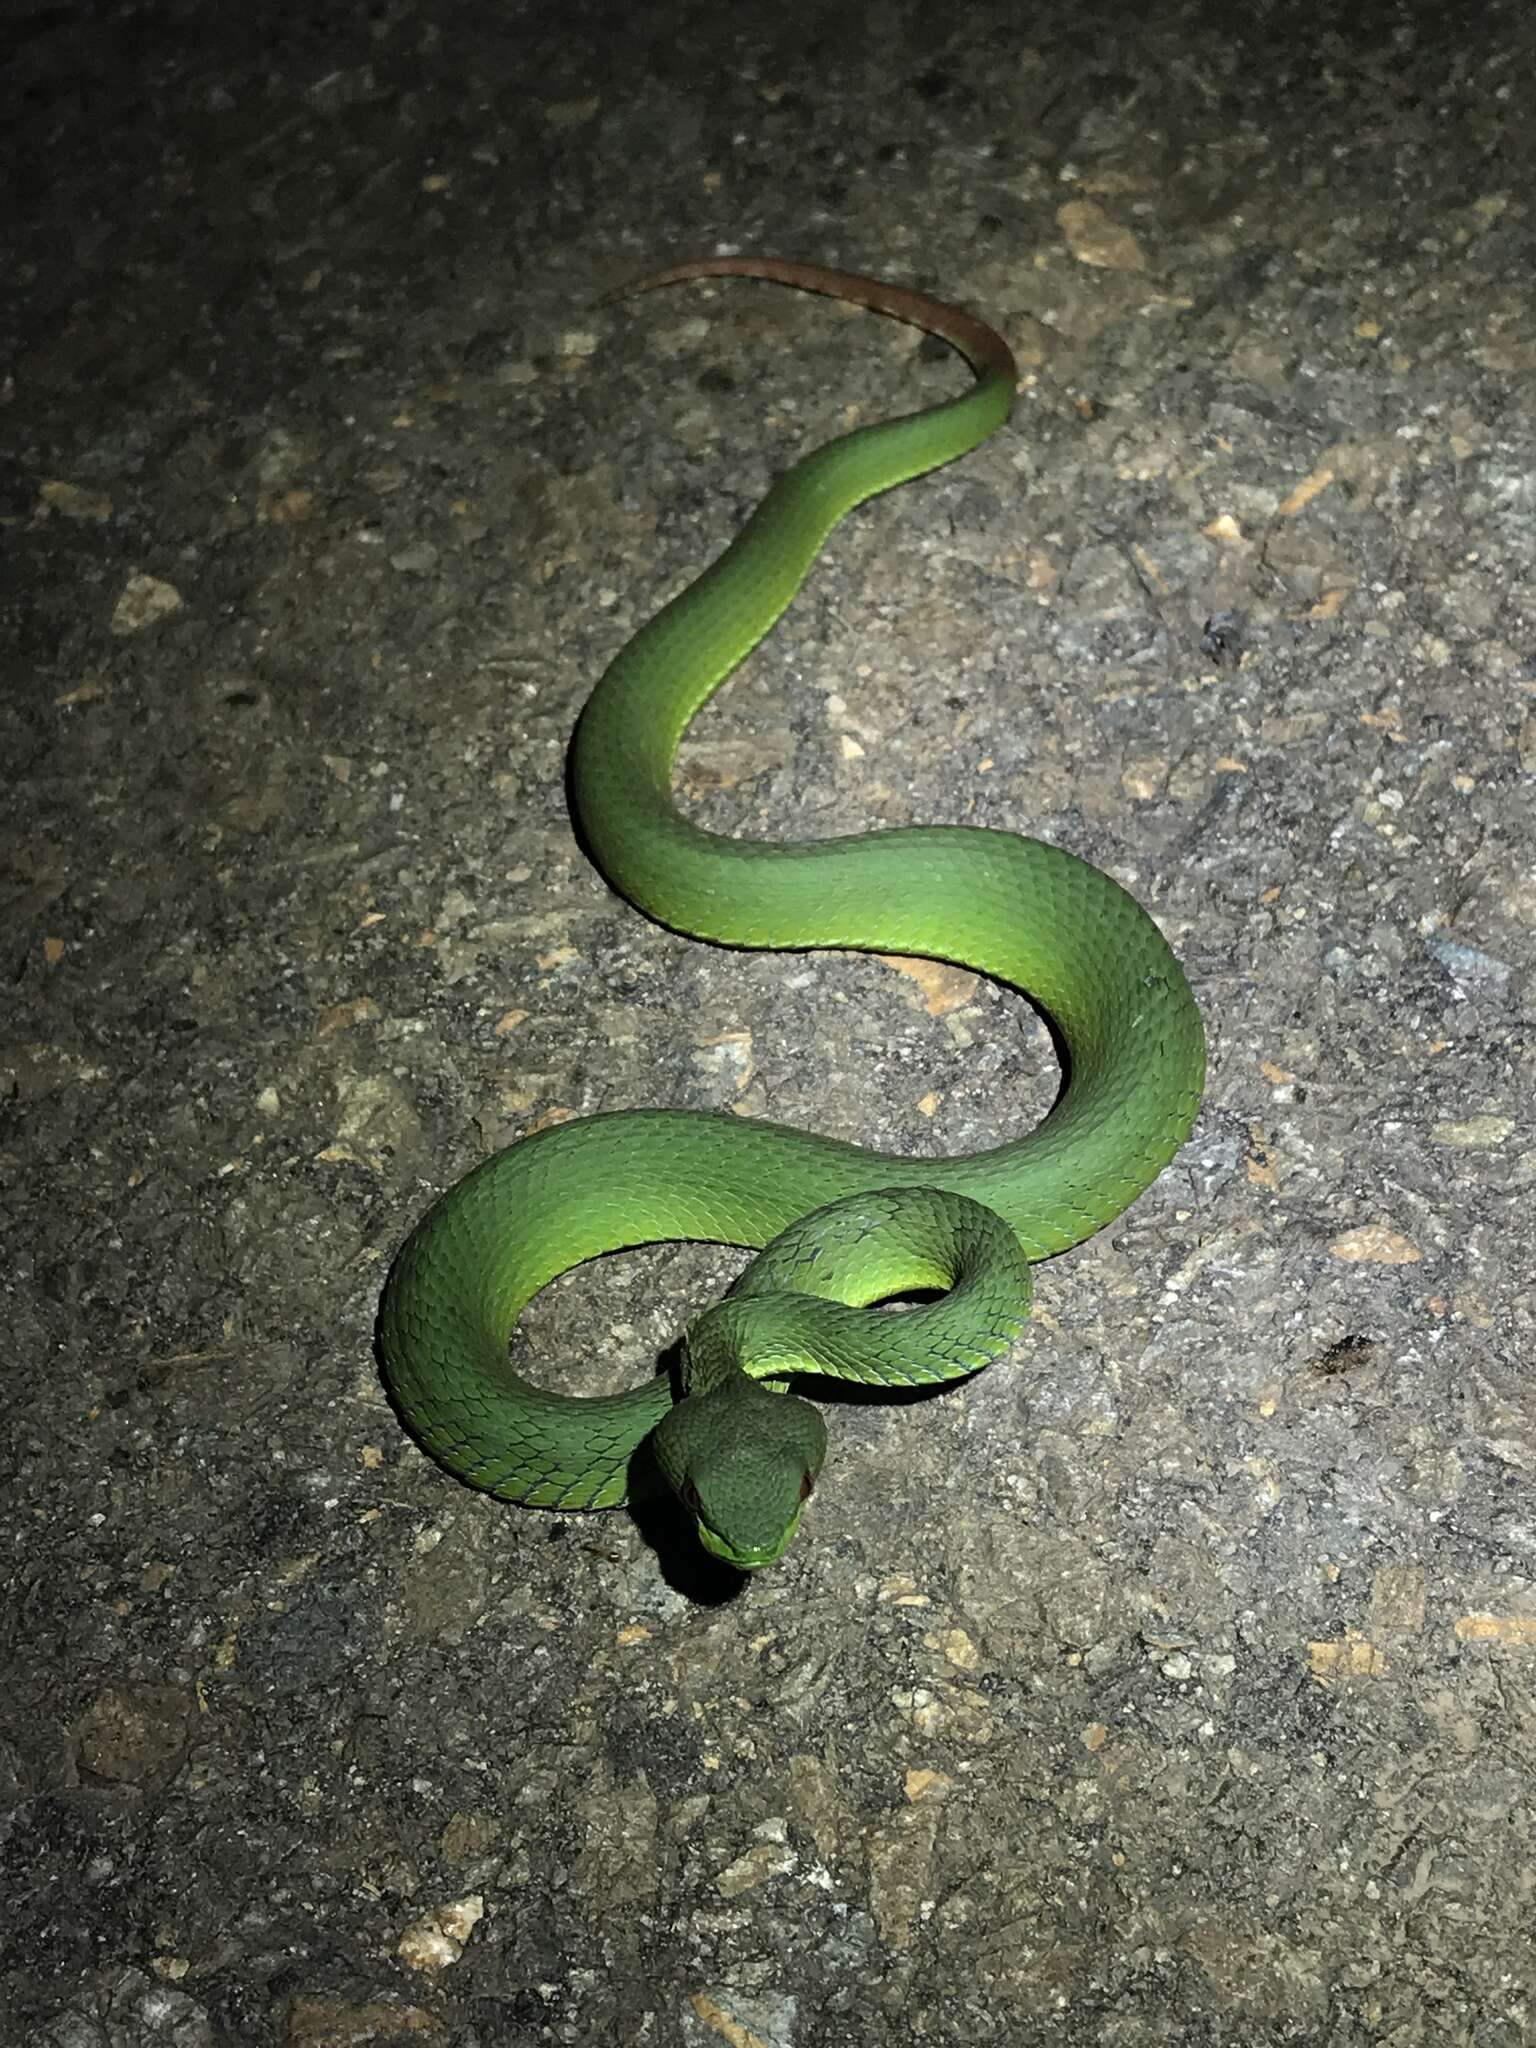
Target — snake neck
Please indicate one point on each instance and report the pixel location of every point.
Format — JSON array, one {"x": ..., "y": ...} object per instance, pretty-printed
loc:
[{"x": 740, "y": 1344}]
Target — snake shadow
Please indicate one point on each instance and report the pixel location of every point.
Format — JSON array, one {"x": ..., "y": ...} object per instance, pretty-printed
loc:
[
  {"x": 667, "y": 1529},
  {"x": 662, "y": 1521},
  {"x": 663, "y": 1524}
]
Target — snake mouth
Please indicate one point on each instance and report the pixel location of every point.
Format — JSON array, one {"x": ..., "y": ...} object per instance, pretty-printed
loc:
[{"x": 748, "y": 1557}]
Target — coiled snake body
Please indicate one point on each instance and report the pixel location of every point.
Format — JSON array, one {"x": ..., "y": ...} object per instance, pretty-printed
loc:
[{"x": 844, "y": 1227}]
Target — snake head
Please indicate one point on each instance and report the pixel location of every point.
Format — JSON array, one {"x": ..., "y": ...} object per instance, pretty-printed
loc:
[{"x": 743, "y": 1462}]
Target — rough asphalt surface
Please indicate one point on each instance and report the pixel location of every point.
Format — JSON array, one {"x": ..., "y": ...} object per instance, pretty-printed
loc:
[{"x": 1172, "y": 1681}]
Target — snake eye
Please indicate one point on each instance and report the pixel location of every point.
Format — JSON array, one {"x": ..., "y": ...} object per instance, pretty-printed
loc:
[{"x": 806, "y": 1485}]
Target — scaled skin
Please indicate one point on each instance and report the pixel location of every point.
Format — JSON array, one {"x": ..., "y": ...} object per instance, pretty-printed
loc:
[{"x": 1022, "y": 912}]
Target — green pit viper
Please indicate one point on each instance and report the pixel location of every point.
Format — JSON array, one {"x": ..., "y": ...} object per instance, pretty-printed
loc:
[{"x": 844, "y": 1228}]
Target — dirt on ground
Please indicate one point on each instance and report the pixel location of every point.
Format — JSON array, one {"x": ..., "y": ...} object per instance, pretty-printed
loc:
[{"x": 1171, "y": 1681}]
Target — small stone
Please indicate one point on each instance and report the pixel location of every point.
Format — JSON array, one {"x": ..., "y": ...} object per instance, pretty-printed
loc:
[
  {"x": 768, "y": 1860},
  {"x": 1374, "y": 1244},
  {"x": 1477, "y": 1134},
  {"x": 144, "y": 599},
  {"x": 437, "y": 1940},
  {"x": 1097, "y": 240}
]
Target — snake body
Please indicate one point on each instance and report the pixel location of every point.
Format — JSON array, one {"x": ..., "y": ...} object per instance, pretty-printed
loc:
[{"x": 844, "y": 1227}]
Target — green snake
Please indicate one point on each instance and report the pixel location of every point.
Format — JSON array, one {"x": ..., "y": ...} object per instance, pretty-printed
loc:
[{"x": 845, "y": 1229}]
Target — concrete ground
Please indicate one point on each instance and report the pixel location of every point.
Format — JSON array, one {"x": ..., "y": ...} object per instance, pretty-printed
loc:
[{"x": 1173, "y": 1680}]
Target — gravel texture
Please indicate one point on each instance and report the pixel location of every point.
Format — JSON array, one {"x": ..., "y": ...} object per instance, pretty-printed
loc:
[{"x": 1172, "y": 1681}]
